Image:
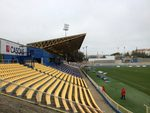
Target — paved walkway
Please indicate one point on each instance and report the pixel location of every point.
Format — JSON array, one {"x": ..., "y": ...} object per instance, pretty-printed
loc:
[{"x": 99, "y": 100}]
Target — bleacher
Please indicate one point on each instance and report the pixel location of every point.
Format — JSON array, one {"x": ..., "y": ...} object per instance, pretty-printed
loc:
[
  {"x": 67, "y": 69},
  {"x": 48, "y": 86}
]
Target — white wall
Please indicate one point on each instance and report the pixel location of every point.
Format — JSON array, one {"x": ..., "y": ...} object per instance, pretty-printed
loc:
[
  {"x": 102, "y": 59},
  {"x": 11, "y": 48}
]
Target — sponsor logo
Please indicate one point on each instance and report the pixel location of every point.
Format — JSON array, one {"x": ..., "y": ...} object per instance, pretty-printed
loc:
[
  {"x": 7, "y": 48},
  {"x": 14, "y": 50}
]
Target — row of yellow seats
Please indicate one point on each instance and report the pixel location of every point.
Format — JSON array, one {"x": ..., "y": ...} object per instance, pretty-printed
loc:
[
  {"x": 74, "y": 80},
  {"x": 7, "y": 81},
  {"x": 42, "y": 67},
  {"x": 60, "y": 88},
  {"x": 9, "y": 65},
  {"x": 54, "y": 85},
  {"x": 13, "y": 72},
  {"x": 56, "y": 73},
  {"x": 12, "y": 69}
]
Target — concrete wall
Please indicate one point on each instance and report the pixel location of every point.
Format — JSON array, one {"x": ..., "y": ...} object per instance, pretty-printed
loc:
[{"x": 143, "y": 59}]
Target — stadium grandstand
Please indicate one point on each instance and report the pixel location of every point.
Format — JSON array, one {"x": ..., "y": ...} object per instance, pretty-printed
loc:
[{"x": 36, "y": 72}]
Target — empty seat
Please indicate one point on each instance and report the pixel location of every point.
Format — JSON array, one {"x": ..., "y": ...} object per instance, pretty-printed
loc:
[
  {"x": 70, "y": 99},
  {"x": 78, "y": 82},
  {"x": 63, "y": 95},
  {"x": 88, "y": 100},
  {"x": 21, "y": 89},
  {"x": 82, "y": 84},
  {"x": 15, "y": 78},
  {"x": 11, "y": 87},
  {"x": 43, "y": 88},
  {"x": 85, "y": 83},
  {"x": 56, "y": 94},
  {"x": 83, "y": 101},
  {"x": 32, "y": 89},
  {"x": 76, "y": 96},
  {"x": 50, "y": 90},
  {"x": 68, "y": 91},
  {"x": 93, "y": 101}
]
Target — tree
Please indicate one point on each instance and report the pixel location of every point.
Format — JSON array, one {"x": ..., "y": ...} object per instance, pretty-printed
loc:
[
  {"x": 127, "y": 54},
  {"x": 76, "y": 56},
  {"x": 137, "y": 54}
]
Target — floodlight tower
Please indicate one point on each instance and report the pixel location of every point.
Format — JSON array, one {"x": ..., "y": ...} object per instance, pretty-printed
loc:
[
  {"x": 86, "y": 56},
  {"x": 66, "y": 28},
  {"x": 86, "y": 53}
]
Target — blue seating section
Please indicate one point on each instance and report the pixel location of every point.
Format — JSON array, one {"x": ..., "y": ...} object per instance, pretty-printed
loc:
[{"x": 67, "y": 69}]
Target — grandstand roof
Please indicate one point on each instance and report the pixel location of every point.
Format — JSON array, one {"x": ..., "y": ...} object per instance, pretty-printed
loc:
[{"x": 61, "y": 45}]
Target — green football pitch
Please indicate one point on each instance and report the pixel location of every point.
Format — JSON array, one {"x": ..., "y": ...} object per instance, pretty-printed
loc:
[{"x": 136, "y": 80}]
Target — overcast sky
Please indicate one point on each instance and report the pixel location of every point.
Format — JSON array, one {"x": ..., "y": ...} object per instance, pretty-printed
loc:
[{"x": 110, "y": 24}]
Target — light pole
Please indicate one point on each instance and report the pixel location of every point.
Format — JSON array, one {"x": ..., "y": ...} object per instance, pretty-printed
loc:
[
  {"x": 124, "y": 51},
  {"x": 86, "y": 52},
  {"x": 66, "y": 28}
]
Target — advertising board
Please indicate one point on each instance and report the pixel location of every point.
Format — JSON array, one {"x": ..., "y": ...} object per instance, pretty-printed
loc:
[{"x": 12, "y": 48}]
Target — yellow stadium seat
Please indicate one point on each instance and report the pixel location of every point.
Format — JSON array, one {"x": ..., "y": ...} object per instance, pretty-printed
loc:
[
  {"x": 72, "y": 78},
  {"x": 63, "y": 95},
  {"x": 85, "y": 83},
  {"x": 83, "y": 102},
  {"x": 21, "y": 89},
  {"x": 32, "y": 89},
  {"x": 75, "y": 80},
  {"x": 76, "y": 96},
  {"x": 15, "y": 78},
  {"x": 43, "y": 88},
  {"x": 82, "y": 84},
  {"x": 56, "y": 94},
  {"x": 68, "y": 79},
  {"x": 88, "y": 100},
  {"x": 93, "y": 101},
  {"x": 50, "y": 90},
  {"x": 70, "y": 99},
  {"x": 78, "y": 81},
  {"x": 65, "y": 78},
  {"x": 11, "y": 87}
]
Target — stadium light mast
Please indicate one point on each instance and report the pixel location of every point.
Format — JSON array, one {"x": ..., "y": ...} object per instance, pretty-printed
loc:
[
  {"x": 124, "y": 50},
  {"x": 66, "y": 28},
  {"x": 86, "y": 52}
]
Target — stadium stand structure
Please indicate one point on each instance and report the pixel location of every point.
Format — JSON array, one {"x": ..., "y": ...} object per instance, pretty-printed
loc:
[
  {"x": 45, "y": 83},
  {"x": 49, "y": 86}
]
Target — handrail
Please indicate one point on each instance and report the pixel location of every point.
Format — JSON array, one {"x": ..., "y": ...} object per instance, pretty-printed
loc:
[
  {"x": 74, "y": 102},
  {"x": 5, "y": 61},
  {"x": 109, "y": 99},
  {"x": 147, "y": 108}
]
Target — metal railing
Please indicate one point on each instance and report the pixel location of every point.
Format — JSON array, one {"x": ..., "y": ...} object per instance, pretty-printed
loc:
[
  {"x": 115, "y": 104},
  {"x": 109, "y": 99},
  {"x": 147, "y": 108},
  {"x": 37, "y": 98},
  {"x": 7, "y": 61}
]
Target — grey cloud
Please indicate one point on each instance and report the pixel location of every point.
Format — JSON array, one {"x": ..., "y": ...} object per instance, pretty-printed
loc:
[{"x": 109, "y": 24}]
